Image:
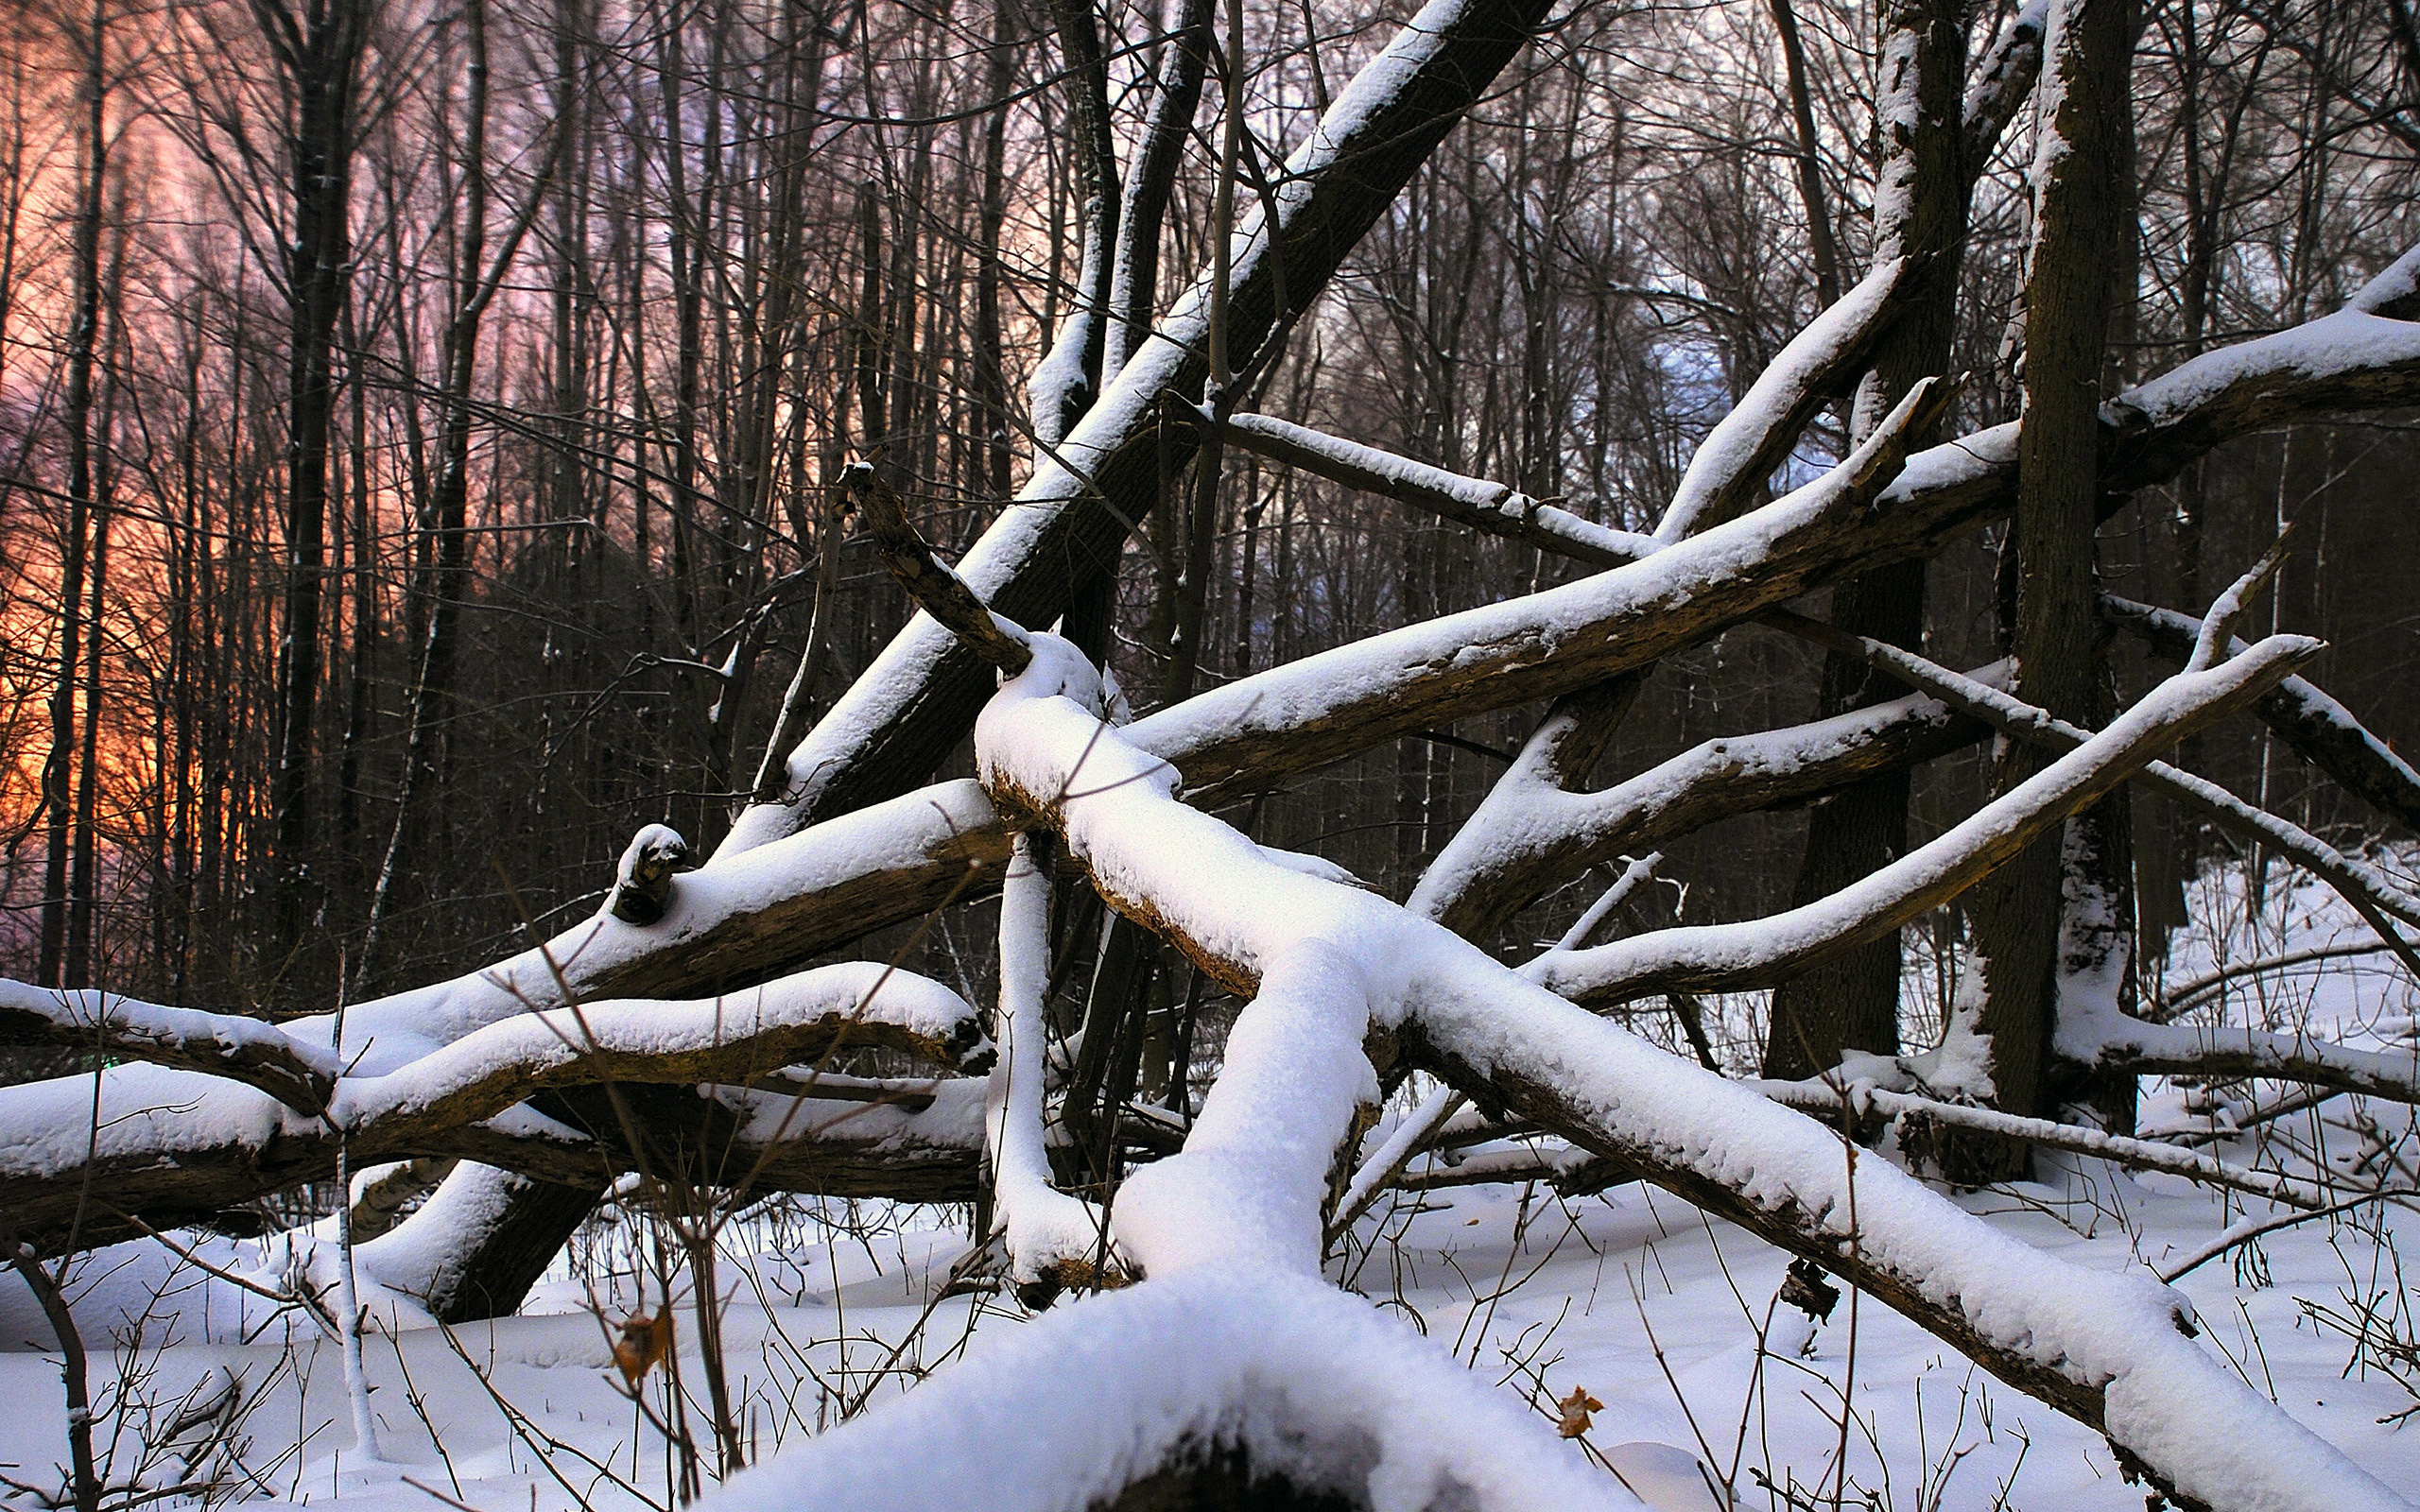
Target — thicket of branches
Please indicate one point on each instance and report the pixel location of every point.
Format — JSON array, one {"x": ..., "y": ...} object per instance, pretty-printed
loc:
[
  {"x": 463, "y": 467},
  {"x": 608, "y": 499}
]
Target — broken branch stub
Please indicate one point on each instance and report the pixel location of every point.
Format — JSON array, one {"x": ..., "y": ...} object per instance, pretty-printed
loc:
[{"x": 937, "y": 590}]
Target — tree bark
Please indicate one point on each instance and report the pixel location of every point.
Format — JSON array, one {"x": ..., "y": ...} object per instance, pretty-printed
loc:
[
  {"x": 83, "y": 344},
  {"x": 2078, "y": 199},
  {"x": 1853, "y": 1003},
  {"x": 321, "y": 55}
]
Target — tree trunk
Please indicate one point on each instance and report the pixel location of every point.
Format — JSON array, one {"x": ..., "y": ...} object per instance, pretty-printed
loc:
[
  {"x": 321, "y": 56},
  {"x": 83, "y": 343},
  {"x": 1921, "y": 208},
  {"x": 2079, "y": 200}
]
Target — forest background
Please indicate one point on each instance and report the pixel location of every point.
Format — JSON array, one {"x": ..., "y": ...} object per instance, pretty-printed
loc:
[{"x": 417, "y": 422}]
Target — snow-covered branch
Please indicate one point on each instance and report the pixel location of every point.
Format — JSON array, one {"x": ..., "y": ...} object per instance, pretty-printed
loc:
[
  {"x": 2003, "y": 82},
  {"x": 2108, "y": 1041},
  {"x": 1866, "y": 1103},
  {"x": 258, "y": 1054},
  {"x": 1495, "y": 508},
  {"x": 1762, "y": 951},
  {"x": 1530, "y": 835},
  {"x": 1045, "y": 1227},
  {"x": 2372, "y": 894},
  {"x": 1746, "y": 445},
  {"x": 763, "y": 907},
  {"x": 2317, "y": 727},
  {"x": 1339, "y": 969}
]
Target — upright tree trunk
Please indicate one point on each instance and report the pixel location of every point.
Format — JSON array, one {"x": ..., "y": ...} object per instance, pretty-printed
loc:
[
  {"x": 83, "y": 880},
  {"x": 1190, "y": 620},
  {"x": 445, "y": 589},
  {"x": 476, "y": 277},
  {"x": 1069, "y": 378},
  {"x": 83, "y": 344},
  {"x": 990, "y": 398},
  {"x": 2078, "y": 199},
  {"x": 361, "y": 550},
  {"x": 1853, "y": 1002},
  {"x": 188, "y": 627},
  {"x": 1822, "y": 245},
  {"x": 321, "y": 55},
  {"x": 572, "y": 291}
]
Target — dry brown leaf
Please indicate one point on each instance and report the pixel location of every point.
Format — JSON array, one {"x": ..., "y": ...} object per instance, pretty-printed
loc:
[
  {"x": 644, "y": 1344},
  {"x": 1575, "y": 1409}
]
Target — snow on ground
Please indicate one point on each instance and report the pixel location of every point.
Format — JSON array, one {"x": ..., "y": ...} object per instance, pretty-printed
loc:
[{"x": 1669, "y": 1320}]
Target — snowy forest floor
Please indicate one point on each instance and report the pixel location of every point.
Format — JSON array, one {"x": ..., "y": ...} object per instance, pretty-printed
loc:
[{"x": 1672, "y": 1321}]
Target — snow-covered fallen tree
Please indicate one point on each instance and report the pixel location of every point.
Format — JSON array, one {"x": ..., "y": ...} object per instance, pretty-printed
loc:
[{"x": 683, "y": 1036}]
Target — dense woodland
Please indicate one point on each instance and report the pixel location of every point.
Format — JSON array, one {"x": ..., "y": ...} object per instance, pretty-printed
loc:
[
  {"x": 440, "y": 447},
  {"x": 420, "y": 423}
]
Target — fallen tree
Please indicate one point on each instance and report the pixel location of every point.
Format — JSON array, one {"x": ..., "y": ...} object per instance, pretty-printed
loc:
[{"x": 676, "y": 1035}]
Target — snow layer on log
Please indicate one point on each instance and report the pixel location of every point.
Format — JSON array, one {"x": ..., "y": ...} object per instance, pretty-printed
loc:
[
  {"x": 2114, "y": 1340},
  {"x": 46, "y": 1127}
]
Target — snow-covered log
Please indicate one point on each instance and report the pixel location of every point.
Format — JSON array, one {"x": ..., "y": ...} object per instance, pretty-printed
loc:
[
  {"x": 2115, "y": 1351},
  {"x": 473, "y": 1249},
  {"x": 251, "y": 1051},
  {"x": 169, "y": 1146},
  {"x": 1272, "y": 1388},
  {"x": 1342, "y": 973}
]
